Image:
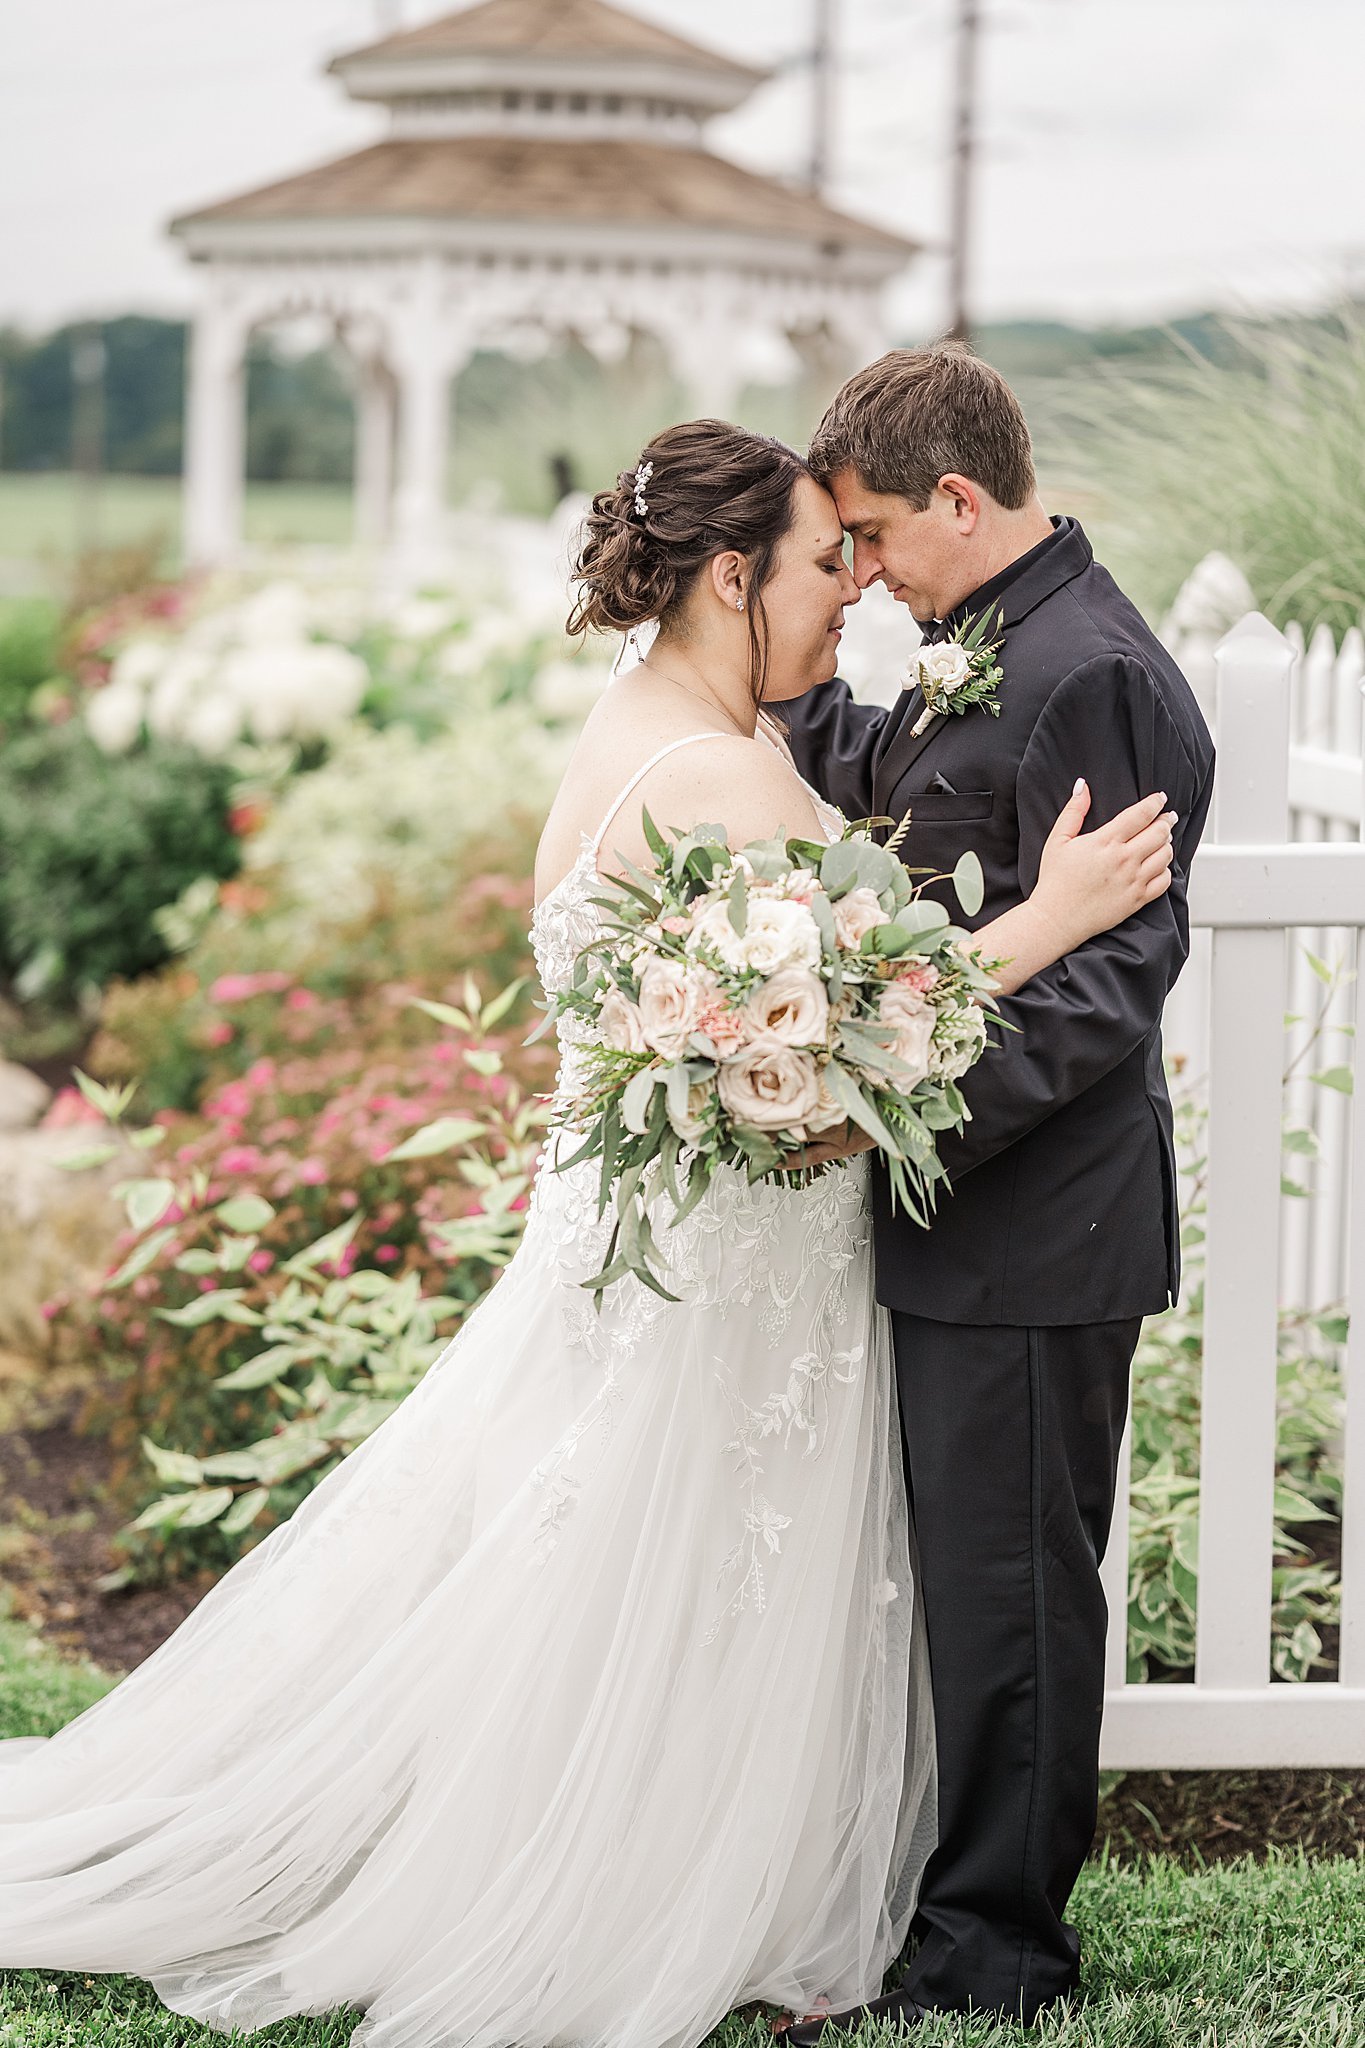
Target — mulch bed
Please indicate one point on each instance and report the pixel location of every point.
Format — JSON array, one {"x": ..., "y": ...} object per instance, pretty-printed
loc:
[{"x": 56, "y": 1527}]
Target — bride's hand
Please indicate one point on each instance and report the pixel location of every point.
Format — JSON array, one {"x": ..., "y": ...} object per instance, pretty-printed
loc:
[{"x": 1090, "y": 881}]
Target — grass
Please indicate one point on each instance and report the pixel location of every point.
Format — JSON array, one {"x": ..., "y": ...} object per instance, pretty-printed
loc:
[
  {"x": 1239, "y": 1954},
  {"x": 40, "y": 1691},
  {"x": 38, "y": 516}
]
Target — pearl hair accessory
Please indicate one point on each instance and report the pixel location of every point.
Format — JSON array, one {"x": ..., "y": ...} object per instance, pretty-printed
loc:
[{"x": 642, "y": 477}]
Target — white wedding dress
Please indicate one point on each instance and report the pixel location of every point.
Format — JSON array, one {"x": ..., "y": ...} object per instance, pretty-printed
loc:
[{"x": 584, "y": 1701}]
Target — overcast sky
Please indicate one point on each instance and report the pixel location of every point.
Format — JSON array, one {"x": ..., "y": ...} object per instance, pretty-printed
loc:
[{"x": 1140, "y": 157}]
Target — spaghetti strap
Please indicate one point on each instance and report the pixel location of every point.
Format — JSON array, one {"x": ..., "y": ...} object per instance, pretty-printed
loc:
[{"x": 642, "y": 771}]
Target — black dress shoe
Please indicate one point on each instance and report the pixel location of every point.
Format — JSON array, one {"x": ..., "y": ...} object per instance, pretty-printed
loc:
[{"x": 894, "y": 2009}]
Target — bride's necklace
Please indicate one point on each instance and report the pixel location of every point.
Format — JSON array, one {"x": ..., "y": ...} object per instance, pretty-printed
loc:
[{"x": 700, "y": 696}]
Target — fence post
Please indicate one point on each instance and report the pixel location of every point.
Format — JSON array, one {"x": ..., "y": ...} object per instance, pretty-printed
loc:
[
  {"x": 1237, "y": 1451},
  {"x": 1351, "y": 1667}
]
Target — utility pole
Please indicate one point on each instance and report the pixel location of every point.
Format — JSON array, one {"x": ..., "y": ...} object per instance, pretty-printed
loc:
[
  {"x": 822, "y": 97},
  {"x": 964, "y": 165},
  {"x": 87, "y": 430}
]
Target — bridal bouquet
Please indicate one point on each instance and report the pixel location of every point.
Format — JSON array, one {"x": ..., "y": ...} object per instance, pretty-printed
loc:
[{"x": 736, "y": 1006}]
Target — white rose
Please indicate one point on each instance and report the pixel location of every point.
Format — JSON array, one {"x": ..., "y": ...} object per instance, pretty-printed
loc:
[
  {"x": 769, "y": 1085},
  {"x": 793, "y": 1006},
  {"x": 959, "y": 1041},
  {"x": 690, "y": 1126},
  {"x": 827, "y": 1111},
  {"x": 943, "y": 668},
  {"x": 619, "y": 1022},
  {"x": 669, "y": 1002},
  {"x": 856, "y": 913},
  {"x": 777, "y": 933},
  {"x": 912, "y": 1019}
]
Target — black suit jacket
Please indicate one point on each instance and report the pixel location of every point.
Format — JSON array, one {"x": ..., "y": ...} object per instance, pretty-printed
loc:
[{"x": 1063, "y": 1203}]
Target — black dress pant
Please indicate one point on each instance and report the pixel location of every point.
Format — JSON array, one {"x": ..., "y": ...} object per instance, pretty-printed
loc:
[{"x": 1012, "y": 1438}]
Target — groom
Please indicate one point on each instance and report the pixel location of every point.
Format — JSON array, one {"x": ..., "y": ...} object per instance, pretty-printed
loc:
[{"x": 1017, "y": 1314}]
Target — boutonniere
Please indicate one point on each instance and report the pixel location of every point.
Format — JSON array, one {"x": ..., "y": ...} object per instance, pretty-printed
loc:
[{"x": 958, "y": 673}]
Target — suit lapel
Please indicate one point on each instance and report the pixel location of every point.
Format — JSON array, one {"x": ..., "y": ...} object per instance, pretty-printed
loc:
[
  {"x": 904, "y": 748},
  {"x": 1033, "y": 578}
]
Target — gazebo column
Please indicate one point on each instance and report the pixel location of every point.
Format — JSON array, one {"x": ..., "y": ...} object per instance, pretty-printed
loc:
[
  {"x": 374, "y": 448},
  {"x": 428, "y": 348},
  {"x": 215, "y": 435},
  {"x": 699, "y": 339}
]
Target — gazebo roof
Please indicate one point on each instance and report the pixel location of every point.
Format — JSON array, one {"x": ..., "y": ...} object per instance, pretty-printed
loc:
[
  {"x": 560, "y": 28},
  {"x": 612, "y": 181}
]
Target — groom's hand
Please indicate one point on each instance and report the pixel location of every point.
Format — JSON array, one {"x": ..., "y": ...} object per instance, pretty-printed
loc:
[{"x": 845, "y": 1144}]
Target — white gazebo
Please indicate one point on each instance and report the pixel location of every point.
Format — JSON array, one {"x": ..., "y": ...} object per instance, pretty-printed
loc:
[{"x": 544, "y": 176}]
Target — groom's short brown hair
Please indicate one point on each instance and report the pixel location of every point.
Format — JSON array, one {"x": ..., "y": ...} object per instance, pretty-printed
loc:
[{"x": 920, "y": 413}]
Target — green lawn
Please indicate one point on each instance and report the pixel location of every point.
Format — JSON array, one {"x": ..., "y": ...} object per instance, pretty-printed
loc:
[
  {"x": 38, "y": 522},
  {"x": 1237, "y": 1955}
]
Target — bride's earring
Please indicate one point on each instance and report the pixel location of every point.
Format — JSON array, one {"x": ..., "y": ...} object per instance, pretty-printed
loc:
[{"x": 739, "y": 604}]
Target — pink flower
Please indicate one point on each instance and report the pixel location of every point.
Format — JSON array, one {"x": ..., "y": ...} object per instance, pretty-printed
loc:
[
  {"x": 920, "y": 977},
  {"x": 312, "y": 1173},
  {"x": 386, "y": 1253},
  {"x": 239, "y": 988},
  {"x": 261, "y": 1261},
  {"x": 207, "y": 1283},
  {"x": 69, "y": 1106},
  {"x": 300, "y": 999},
  {"x": 261, "y": 1072},
  {"x": 219, "y": 1032},
  {"x": 232, "y": 1100},
  {"x": 49, "y": 1309},
  {"x": 348, "y": 1198},
  {"x": 240, "y": 1159}
]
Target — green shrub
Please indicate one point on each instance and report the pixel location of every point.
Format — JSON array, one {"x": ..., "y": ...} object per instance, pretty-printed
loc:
[
  {"x": 92, "y": 845},
  {"x": 318, "y": 1233},
  {"x": 28, "y": 655},
  {"x": 1163, "y": 1555}
]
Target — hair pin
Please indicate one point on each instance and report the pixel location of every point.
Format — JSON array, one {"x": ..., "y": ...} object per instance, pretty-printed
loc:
[{"x": 642, "y": 477}]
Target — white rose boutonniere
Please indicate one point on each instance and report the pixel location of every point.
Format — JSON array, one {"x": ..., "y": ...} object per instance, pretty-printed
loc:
[{"x": 958, "y": 673}]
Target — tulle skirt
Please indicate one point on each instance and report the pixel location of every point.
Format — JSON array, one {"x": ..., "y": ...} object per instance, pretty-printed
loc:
[{"x": 584, "y": 1701}]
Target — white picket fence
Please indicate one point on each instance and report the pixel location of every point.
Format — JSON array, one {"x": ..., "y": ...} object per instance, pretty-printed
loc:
[{"x": 1282, "y": 866}]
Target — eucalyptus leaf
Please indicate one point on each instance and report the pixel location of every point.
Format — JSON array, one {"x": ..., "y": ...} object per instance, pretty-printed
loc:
[{"x": 969, "y": 883}]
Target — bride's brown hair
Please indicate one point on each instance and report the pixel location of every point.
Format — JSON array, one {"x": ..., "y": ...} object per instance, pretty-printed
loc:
[{"x": 712, "y": 487}]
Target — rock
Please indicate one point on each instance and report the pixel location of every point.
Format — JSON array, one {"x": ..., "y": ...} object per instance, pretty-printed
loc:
[{"x": 23, "y": 1097}]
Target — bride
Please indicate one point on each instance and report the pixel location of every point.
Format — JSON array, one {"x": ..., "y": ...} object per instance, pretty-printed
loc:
[{"x": 587, "y": 1699}]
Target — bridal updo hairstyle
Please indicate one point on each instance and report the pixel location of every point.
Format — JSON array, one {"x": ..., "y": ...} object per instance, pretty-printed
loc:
[{"x": 712, "y": 487}]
